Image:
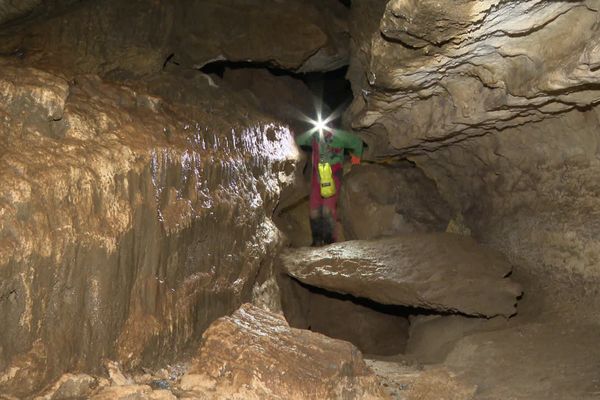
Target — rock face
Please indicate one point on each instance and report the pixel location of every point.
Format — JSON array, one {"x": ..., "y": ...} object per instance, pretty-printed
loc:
[
  {"x": 128, "y": 222},
  {"x": 115, "y": 38},
  {"x": 443, "y": 272},
  {"x": 439, "y": 74},
  {"x": 254, "y": 354},
  {"x": 378, "y": 201},
  {"x": 562, "y": 360},
  {"x": 499, "y": 102}
]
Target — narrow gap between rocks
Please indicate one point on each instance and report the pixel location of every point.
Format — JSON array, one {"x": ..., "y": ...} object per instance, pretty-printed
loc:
[{"x": 375, "y": 328}]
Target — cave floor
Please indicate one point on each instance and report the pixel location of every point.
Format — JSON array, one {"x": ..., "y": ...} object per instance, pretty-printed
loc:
[{"x": 548, "y": 351}]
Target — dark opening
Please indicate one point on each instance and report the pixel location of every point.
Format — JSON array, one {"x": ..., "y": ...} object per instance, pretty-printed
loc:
[
  {"x": 347, "y": 3},
  {"x": 332, "y": 88},
  {"x": 374, "y": 328}
]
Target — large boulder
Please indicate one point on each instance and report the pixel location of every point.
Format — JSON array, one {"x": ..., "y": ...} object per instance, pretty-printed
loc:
[
  {"x": 254, "y": 354},
  {"x": 443, "y": 272}
]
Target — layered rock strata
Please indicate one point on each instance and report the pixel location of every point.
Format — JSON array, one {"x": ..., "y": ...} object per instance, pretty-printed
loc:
[
  {"x": 442, "y": 272},
  {"x": 436, "y": 75},
  {"x": 496, "y": 103}
]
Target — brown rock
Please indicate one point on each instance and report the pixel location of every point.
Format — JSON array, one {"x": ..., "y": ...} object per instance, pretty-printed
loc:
[
  {"x": 378, "y": 201},
  {"x": 128, "y": 223},
  {"x": 372, "y": 327},
  {"x": 437, "y": 74},
  {"x": 531, "y": 191},
  {"x": 254, "y": 354},
  {"x": 134, "y": 38},
  {"x": 71, "y": 386},
  {"x": 439, "y": 384},
  {"x": 444, "y": 272},
  {"x": 132, "y": 392}
]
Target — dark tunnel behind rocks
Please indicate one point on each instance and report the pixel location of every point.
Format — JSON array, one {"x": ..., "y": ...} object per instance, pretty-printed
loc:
[
  {"x": 376, "y": 329},
  {"x": 329, "y": 90}
]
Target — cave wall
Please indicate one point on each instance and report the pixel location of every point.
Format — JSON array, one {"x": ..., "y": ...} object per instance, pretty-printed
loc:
[
  {"x": 432, "y": 75},
  {"x": 129, "y": 221},
  {"x": 387, "y": 200},
  {"x": 138, "y": 190},
  {"x": 122, "y": 39},
  {"x": 496, "y": 103},
  {"x": 531, "y": 191}
]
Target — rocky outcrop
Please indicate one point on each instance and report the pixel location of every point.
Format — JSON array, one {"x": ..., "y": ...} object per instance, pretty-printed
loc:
[
  {"x": 437, "y": 74},
  {"x": 254, "y": 354},
  {"x": 14, "y": 11},
  {"x": 443, "y": 272},
  {"x": 285, "y": 97},
  {"x": 122, "y": 39},
  {"x": 128, "y": 222},
  {"x": 378, "y": 201}
]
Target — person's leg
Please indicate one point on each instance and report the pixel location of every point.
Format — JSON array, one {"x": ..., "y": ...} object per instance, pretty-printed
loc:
[{"x": 316, "y": 212}]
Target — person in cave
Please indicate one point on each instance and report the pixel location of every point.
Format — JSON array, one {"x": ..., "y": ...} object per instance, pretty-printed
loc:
[{"x": 328, "y": 151}]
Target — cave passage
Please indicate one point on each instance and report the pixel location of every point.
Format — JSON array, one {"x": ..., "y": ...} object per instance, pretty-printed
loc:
[{"x": 158, "y": 240}]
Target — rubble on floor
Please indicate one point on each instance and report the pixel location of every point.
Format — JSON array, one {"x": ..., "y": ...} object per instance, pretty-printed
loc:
[{"x": 254, "y": 354}]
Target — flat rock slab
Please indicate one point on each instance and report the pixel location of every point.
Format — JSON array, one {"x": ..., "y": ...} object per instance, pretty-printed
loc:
[
  {"x": 254, "y": 354},
  {"x": 440, "y": 271}
]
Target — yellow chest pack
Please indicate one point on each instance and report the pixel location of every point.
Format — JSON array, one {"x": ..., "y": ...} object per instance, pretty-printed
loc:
[{"x": 326, "y": 180}]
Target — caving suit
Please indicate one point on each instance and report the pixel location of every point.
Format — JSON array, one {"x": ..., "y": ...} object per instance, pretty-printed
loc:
[{"x": 327, "y": 147}]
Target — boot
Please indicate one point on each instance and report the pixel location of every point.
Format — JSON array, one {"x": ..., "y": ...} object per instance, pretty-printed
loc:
[
  {"x": 316, "y": 228},
  {"x": 328, "y": 231}
]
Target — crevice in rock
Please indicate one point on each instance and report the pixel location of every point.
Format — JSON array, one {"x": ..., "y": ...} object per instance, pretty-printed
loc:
[
  {"x": 375, "y": 328},
  {"x": 168, "y": 60}
]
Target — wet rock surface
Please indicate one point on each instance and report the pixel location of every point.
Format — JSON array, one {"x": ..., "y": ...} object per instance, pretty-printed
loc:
[
  {"x": 443, "y": 272},
  {"x": 125, "y": 219},
  {"x": 254, "y": 354}
]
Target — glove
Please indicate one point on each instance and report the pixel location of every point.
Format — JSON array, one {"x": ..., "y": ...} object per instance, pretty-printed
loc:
[{"x": 355, "y": 160}]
